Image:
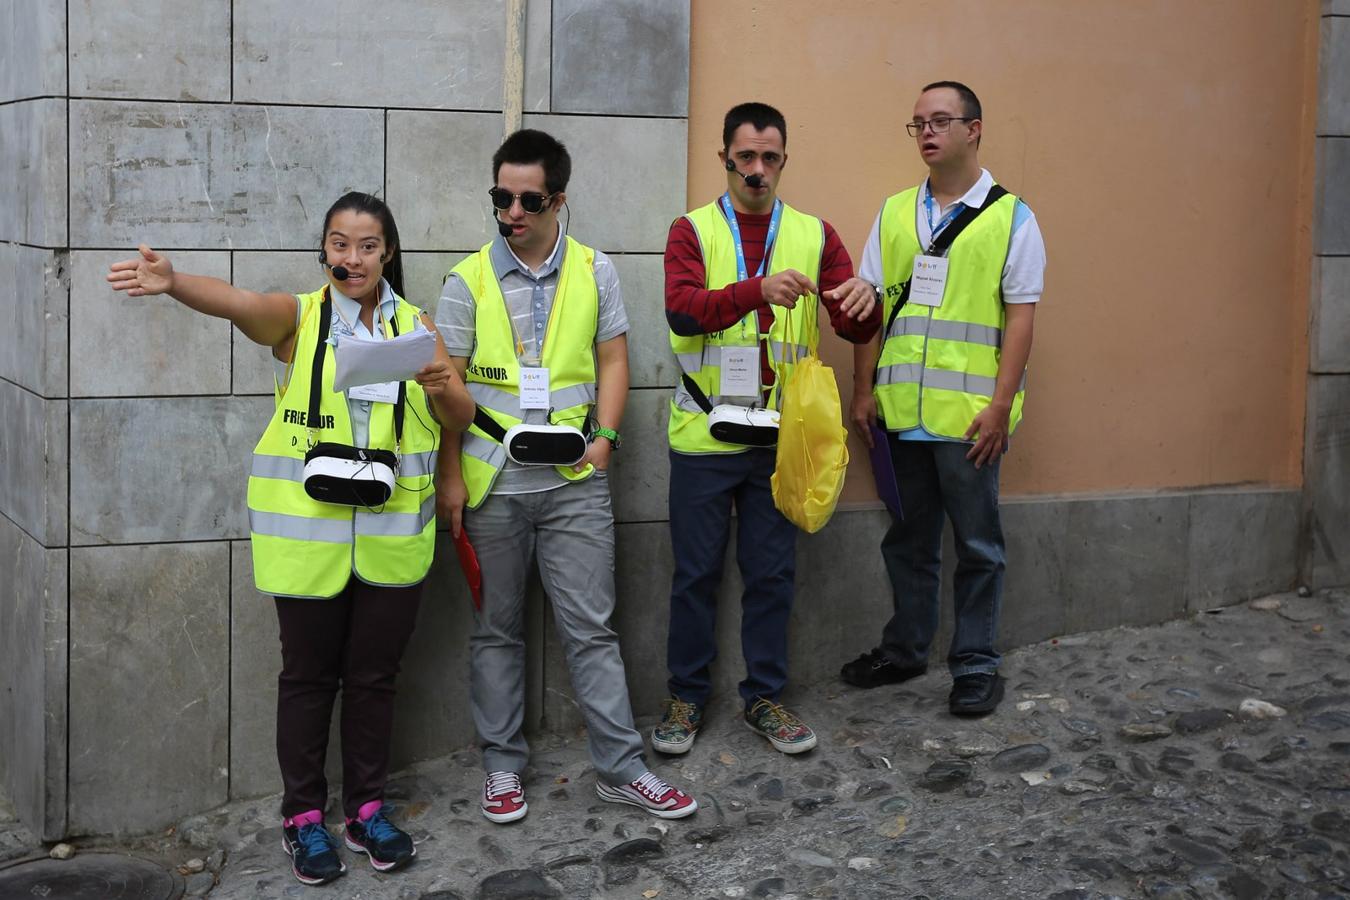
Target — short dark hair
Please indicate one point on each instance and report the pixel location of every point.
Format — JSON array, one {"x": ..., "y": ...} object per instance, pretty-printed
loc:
[
  {"x": 970, "y": 104},
  {"x": 360, "y": 202},
  {"x": 528, "y": 147},
  {"x": 760, "y": 115}
]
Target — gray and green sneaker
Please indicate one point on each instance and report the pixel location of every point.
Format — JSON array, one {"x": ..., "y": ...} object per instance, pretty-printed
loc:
[
  {"x": 786, "y": 732},
  {"x": 678, "y": 728}
]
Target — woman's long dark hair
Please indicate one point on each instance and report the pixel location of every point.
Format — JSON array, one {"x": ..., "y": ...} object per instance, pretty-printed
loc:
[{"x": 360, "y": 202}]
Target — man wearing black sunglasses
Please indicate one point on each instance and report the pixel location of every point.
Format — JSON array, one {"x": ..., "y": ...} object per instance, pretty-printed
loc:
[
  {"x": 535, "y": 324},
  {"x": 961, "y": 263}
]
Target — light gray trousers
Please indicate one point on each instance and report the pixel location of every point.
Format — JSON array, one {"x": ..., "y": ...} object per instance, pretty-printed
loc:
[{"x": 570, "y": 530}]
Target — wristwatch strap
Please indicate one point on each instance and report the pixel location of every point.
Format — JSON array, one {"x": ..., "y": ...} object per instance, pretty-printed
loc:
[{"x": 610, "y": 433}]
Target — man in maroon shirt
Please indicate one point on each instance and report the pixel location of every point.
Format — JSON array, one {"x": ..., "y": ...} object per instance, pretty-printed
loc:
[{"x": 716, "y": 320}]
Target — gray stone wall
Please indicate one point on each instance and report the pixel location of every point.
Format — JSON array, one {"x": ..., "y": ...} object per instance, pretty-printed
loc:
[
  {"x": 35, "y": 410},
  {"x": 1326, "y": 557},
  {"x": 130, "y": 630},
  {"x": 137, "y": 663}
]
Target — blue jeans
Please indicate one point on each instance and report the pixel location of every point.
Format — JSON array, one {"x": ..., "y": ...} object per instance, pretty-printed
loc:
[
  {"x": 935, "y": 478},
  {"x": 702, "y": 489}
]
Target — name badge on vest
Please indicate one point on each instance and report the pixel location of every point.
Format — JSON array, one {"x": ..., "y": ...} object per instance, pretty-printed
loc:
[
  {"x": 740, "y": 372},
  {"x": 929, "y": 280},
  {"x": 533, "y": 388},
  {"x": 379, "y": 393}
]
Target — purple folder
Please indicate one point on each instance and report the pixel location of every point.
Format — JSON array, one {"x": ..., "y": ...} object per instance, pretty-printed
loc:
[{"x": 883, "y": 472}]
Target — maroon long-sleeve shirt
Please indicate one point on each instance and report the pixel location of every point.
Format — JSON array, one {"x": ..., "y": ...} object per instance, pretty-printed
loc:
[{"x": 693, "y": 309}]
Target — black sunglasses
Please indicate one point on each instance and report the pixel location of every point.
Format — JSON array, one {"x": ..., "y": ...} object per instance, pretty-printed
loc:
[{"x": 530, "y": 201}]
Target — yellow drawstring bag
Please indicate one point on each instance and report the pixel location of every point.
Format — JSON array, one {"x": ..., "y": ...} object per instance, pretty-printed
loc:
[{"x": 812, "y": 442}]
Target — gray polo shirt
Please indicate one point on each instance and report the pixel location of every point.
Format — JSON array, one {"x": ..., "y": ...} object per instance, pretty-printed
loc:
[{"x": 529, "y": 300}]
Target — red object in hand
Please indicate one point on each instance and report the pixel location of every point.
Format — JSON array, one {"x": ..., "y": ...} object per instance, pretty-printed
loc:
[{"x": 468, "y": 561}]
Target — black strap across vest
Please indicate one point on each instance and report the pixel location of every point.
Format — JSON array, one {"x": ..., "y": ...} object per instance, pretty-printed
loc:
[
  {"x": 316, "y": 375},
  {"x": 943, "y": 242},
  {"x": 488, "y": 425}
]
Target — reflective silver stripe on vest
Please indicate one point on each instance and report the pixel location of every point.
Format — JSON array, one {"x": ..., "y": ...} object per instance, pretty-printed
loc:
[
  {"x": 415, "y": 465},
  {"x": 300, "y": 528},
  {"x": 288, "y": 468},
  {"x": 947, "y": 380},
  {"x": 944, "y": 379},
  {"x": 690, "y": 363},
  {"x": 787, "y": 352},
  {"x": 285, "y": 468},
  {"x": 685, "y": 401},
  {"x": 483, "y": 449},
  {"x": 508, "y": 404},
  {"x": 942, "y": 329},
  {"x": 907, "y": 373},
  {"x": 712, "y": 355},
  {"x": 387, "y": 524}
]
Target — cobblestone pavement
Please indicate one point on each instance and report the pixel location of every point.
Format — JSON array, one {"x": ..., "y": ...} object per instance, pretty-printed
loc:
[{"x": 1209, "y": 757}]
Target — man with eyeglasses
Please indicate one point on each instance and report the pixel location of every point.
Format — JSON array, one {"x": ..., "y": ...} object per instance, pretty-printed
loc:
[
  {"x": 742, "y": 277},
  {"x": 961, "y": 265},
  {"x": 534, "y": 323}
]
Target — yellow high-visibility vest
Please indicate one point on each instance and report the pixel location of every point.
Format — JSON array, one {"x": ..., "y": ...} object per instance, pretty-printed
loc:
[
  {"x": 938, "y": 365},
  {"x": 305, "y": 548},
  {"x": 493, "y": 375},
  {"x": 798, "y": 245}
]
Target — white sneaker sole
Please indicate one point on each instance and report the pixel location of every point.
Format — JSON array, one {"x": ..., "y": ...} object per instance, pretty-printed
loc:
[
  {"x": 605, "y": 792},
  {"x": 674, "y": 748},
  {"x": 788, "y": 747},
  {"x": 503, "y": 818}
]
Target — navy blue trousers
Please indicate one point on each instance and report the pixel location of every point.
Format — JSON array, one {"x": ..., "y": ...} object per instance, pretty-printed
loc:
[{"x": 703, "y": 489}]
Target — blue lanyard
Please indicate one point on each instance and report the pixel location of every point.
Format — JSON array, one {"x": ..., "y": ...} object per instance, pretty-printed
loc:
[
  {"x": 935, "y": 230},
  {"x": 741, "y": 273}
]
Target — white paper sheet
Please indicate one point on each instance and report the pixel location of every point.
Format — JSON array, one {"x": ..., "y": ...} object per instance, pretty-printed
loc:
[{"x": 372, "y": 362}]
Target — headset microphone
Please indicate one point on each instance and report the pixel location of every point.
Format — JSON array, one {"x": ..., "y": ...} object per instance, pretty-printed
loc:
[
  {"x": 339, "y": 272},
  {"x": 753, "y": 181},
  {"x": 503, "y": 229}
]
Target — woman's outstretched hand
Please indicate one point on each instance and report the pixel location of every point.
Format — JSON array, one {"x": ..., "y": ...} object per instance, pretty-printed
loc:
[{"x": 143, "y": 276}]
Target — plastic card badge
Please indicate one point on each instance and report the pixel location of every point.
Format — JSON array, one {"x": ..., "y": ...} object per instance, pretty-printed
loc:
[
  {"x": 533, "y": 388},
  {"x": 928, "y": 281},
  {"x": 740, "y": 372}
]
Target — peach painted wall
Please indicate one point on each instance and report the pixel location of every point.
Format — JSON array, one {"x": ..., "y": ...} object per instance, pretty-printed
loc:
[{"x": 1166, "y": 149}]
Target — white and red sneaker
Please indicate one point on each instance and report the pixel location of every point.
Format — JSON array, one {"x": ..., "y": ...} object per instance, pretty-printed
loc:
[
  {"x": 503, "y": 797},
  {"x": 652, "y": 794}
]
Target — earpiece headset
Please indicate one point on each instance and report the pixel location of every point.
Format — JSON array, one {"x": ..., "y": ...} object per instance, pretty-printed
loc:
[{"x": 754, "y": 181}]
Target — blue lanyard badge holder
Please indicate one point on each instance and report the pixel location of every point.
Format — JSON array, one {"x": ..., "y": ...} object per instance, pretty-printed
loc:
[
  {"x": 730, "y": 423},
  {"x": 341, "y": 473}
]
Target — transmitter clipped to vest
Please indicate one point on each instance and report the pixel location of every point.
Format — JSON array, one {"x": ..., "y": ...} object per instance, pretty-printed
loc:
[
  {"x": 534, "y": 445},
  {"x": 544, "y": 445},
  {"x": 350, "y": 476},
  {"x": 744, "y": 425}
]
